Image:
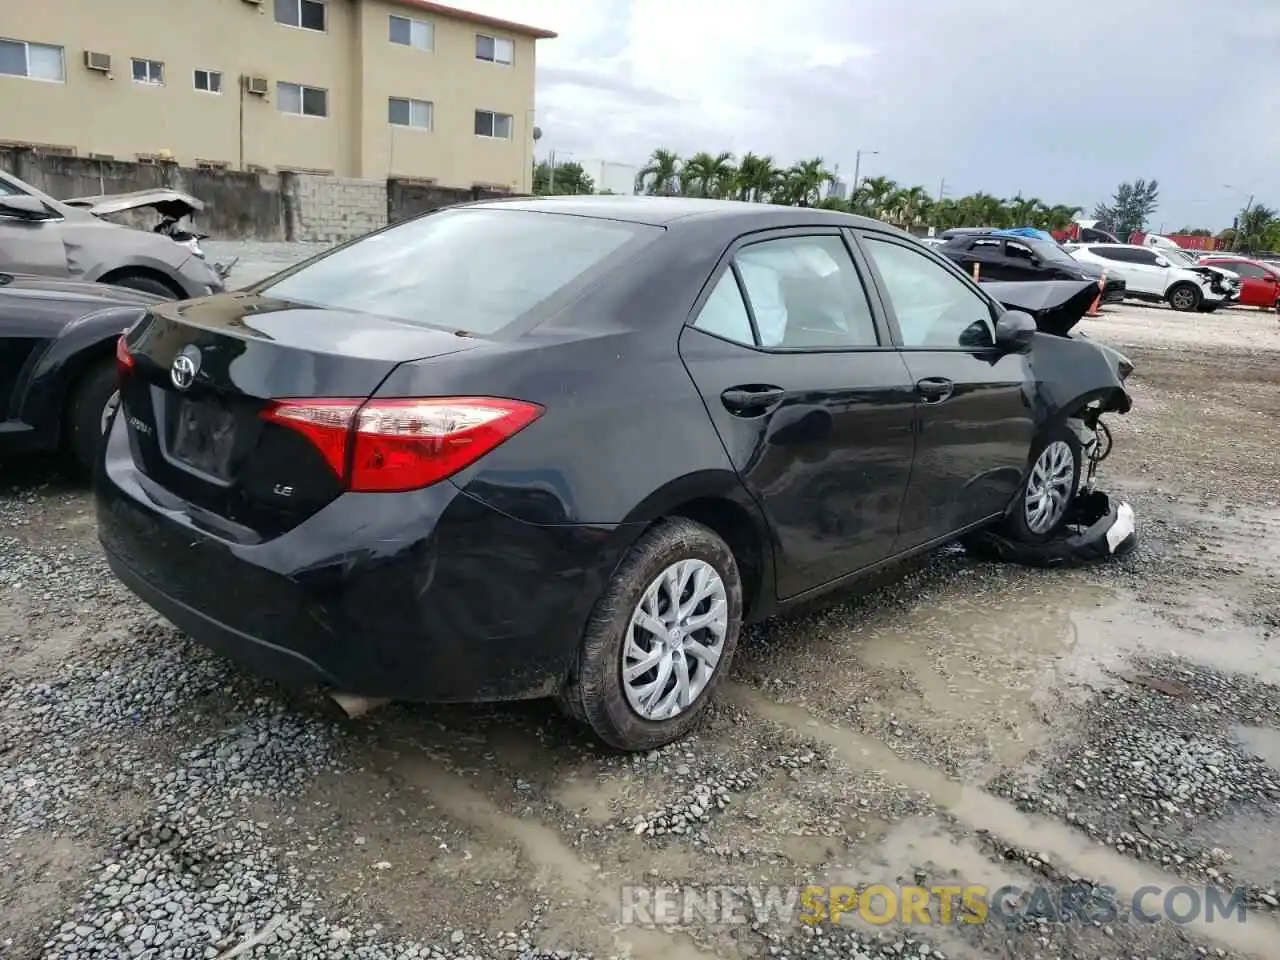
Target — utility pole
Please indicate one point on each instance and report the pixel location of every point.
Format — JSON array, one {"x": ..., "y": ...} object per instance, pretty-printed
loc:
[
  {"x": 942, "y": 188},
  {"x": 857, "y": 168}
]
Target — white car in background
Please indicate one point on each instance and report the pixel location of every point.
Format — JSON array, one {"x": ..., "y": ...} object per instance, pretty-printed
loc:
[{"x": 1160, "y": 274}]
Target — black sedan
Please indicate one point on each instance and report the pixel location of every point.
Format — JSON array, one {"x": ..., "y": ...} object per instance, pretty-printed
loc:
[
  {"x": 1013, "y": 259},
  {"x": 57, "y": 362},
  {"x": 568, "y": 446}
]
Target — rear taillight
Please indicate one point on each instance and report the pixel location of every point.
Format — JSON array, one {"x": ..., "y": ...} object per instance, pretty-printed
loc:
[
  {"x": 402, "y": 444},
  {"x": 124, "y": 360}
]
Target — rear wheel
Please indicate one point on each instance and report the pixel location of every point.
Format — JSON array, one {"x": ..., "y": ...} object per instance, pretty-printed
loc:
[
  {"x": 93, "y": 401},
  {"x": 1045, "y": 496},
  {"x": 1185, "y": 297},
  {"x": 660, "y": 639}
]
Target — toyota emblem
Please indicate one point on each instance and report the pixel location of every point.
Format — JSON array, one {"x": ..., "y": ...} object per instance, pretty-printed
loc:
[{"x": 185, "y": 366}]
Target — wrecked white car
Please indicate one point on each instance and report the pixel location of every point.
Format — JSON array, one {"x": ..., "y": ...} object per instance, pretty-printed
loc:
[{"x": 70, "y": 239}]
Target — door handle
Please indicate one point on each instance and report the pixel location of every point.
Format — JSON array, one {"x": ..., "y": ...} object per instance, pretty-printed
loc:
[
  {"x": 751, "y": 401},
  {"x": 934, "y": 389}
]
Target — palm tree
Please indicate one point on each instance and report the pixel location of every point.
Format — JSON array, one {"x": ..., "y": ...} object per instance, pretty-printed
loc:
[
  {"x": 1059, "y": 216},
  {"x": 661, "y": 175},
  {"x": 757, "y": 177},
  {"x": 1257, "y": 224},
  {"x": 911, "y": 207},
  {"x": 1025, "y": 212},
  {"x": 875, "y": 197},
  {"x": 706, "y": 176},
  {"x": 805, "y": 180}
]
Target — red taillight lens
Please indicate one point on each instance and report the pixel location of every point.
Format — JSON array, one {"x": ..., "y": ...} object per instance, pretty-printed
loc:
[
  {"x": 124, "y": 360},
  {"x": 403, "y": 444}
]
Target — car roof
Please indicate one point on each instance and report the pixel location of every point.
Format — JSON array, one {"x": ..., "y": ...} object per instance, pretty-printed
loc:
[{"x": 667, "y": 211}]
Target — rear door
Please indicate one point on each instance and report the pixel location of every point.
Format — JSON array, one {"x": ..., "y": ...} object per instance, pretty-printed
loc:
[
  {"x": 974, "y": 422},
  {"x": 31, "y": 246},
  {"x": 813, "y": 403}
]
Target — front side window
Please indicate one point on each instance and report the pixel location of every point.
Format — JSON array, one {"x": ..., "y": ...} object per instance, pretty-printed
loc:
[
  {"x": 805, "y": 292},
  {"x": 209, "y": 81},
  {"x": 403, "y": 112},
  {"x": 725, "y": 314},
  {"x": 35, "y": 61},
  {"x": 490, "y": 124},
  {"x": 412, "y": 33},
  {"x": 934, "y": 307},
  {"x": 305, "y": 14},
  {"x": 477, "y": 270},
  {"x": 495, "y": 49},
  {"x": 302, "y": 101},
  {"x": 148, "y": 71}
]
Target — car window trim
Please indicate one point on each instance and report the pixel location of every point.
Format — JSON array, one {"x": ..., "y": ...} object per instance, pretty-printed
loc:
[
  {"x": 727, "y": 262},
  {"x": 891, "y": 316}
]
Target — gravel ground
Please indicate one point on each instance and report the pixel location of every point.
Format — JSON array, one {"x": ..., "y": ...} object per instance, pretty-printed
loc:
[{"x": 968, "y": 724}]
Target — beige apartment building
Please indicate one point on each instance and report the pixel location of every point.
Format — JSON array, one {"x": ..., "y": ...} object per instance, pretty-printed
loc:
[{"x": 357, "y": 88}]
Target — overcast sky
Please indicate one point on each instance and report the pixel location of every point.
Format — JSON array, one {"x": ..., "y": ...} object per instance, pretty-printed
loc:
[{"x": 1058, "y": 100}]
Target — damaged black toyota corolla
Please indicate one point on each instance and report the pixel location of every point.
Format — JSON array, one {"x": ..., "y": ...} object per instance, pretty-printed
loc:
[{"x": 568, "y": 446}]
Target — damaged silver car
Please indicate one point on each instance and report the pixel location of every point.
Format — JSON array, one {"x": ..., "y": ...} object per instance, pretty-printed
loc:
[{"x": 69, "y": 239}]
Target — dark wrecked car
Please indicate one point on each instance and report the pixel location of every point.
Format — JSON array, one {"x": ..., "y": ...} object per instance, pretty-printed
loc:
[
  {"x": 70, "y": 240},
  {"x": 57, "y": 362},
  {"x": 1001, "y": 257},
  {"x": 568, "y": 446}
]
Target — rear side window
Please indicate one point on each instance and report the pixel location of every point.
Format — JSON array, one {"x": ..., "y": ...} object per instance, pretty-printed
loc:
[
  {"x": 724, "y": 312},
  {"x": 477, "y": 270},
  {"x": 1110, "y": 253}
]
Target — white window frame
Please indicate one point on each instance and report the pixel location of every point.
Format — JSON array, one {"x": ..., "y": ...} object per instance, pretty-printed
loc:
[
  {"x": 413, "y": 102},
  {"x": 302, "y": 100},
  {"x": 495, "y": 114},
  {"x": 151, "y": 64},
  {"x": 26, "y": 51},
  {"x": 297, "y": 5},
  {"x": 208, "y": 77},
  {"x": 414, "y": 21},
  {"x": 496, "y": 40}
]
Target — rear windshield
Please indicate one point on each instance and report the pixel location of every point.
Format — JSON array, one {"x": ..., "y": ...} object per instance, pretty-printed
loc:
[{"x": 476, "y": 270}]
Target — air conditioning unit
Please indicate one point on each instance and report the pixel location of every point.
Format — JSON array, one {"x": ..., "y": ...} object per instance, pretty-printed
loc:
[
  {"x": 258, "y": 86},
  {"x": 97, "y": 61}
]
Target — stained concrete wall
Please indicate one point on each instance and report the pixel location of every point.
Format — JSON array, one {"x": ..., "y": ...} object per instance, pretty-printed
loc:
[{"x": 244, "y": 205}]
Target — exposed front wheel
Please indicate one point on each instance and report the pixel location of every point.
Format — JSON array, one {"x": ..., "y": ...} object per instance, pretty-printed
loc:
[
  {"x": 1185, "y": 297},
  {"x": 1045, "y": 497},
  {"x": 660, "y": 639}
]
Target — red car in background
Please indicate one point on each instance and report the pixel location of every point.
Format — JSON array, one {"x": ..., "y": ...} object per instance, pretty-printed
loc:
[{"x": 1259, "y": 282}]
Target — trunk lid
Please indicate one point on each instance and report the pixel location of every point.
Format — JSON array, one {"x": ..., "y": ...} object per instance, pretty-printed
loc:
[{"x": 203, "y": 371}]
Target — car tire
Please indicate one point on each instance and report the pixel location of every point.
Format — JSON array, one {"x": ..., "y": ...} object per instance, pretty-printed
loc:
[
  {"x": 597, "y": 692},
  {"x": 1185, "y": 297},
  {"x": 84, "y": 414},
  {"x": 1051, "y": 484},
  {"x": 146, "y": 284}
]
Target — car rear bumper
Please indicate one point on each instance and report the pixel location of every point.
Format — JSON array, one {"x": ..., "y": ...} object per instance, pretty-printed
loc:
[{"x": 428, "y": 596}]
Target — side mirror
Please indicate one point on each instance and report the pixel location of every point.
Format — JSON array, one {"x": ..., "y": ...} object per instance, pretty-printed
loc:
[
  {"x": 1015, "y": 330},
  {"x": 22, "y": 207},
  {"x": 1161, "y": 262}
]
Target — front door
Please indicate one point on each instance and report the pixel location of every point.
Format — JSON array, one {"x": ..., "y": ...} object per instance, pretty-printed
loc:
[
  {"x": 973, "y": 414},
  {"x": 30, "y": 246},
  {"x": 812, "y": 402}
]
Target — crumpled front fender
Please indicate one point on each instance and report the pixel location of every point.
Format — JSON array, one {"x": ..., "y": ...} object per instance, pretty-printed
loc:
[{"x": 1071, "y": 374}]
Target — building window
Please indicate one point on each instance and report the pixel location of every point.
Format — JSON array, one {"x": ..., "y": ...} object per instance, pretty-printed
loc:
[
  {"x": 302, "y": 101},
  {"x": 304, "y": 14},
  {"x": 413, "y": 33},
  {"x": 402, "y": 112},
  {"x": 210, "y": 81},
  {"x": 148, "y": 71},
  {"x": 490, "y": 124},
  {"x": 494, "y": 49},
  {"x": 36, "y": 61}
]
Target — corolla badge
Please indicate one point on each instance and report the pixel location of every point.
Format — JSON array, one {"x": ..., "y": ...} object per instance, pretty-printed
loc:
[{"x": 185, "y": 367}]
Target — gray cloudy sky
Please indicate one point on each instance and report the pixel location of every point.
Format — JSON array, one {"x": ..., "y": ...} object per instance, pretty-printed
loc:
[{"x": 1060, "y": 100}]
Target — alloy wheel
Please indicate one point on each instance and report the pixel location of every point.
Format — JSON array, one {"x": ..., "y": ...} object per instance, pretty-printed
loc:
[
  {"x": 1049, "y": 487},
  {"x": 1183, "y": 299},
  {"x": 674, "y": 640}
]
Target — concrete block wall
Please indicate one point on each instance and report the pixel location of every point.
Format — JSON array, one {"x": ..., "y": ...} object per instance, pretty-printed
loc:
[{"x": 333, "y": 209}]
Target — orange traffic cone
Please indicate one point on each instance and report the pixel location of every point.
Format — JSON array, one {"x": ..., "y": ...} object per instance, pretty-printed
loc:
[{"x": 1095, "y": 308}]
